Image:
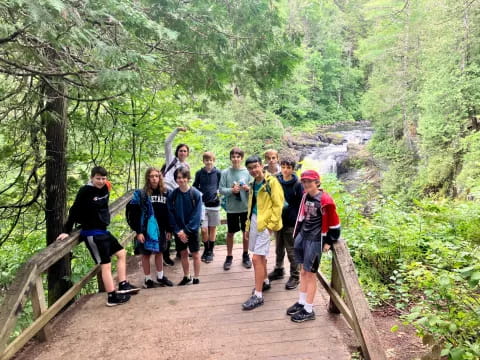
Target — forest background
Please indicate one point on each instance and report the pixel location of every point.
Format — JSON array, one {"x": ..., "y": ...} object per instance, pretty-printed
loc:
[{"x": 103, "y": 83}]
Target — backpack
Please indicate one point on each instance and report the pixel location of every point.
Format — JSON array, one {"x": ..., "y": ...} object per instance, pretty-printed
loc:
[
  {"x": 165, "y": 169},
  {"x": 131, "y": 212}
]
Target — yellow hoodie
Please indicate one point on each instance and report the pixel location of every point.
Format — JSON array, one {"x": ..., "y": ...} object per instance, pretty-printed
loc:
[{"x": 270, "y": 202}]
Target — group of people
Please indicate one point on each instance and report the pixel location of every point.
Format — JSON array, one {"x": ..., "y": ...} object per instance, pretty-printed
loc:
[{"x": 260, "y": 201}]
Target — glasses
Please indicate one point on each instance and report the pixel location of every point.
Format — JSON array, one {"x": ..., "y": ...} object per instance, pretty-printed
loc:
[{"x": 183, "y": 151}]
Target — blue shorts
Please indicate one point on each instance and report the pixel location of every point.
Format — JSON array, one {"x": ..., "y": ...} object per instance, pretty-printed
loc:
[{"x": 308, "y": 253}]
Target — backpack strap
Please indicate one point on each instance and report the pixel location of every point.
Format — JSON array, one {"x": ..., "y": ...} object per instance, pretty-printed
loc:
[{"x": 165, "y": 169}]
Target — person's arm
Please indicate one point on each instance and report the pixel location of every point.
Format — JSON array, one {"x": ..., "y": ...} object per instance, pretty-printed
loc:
[
  {"x": 194, "y": 223},
  {"x": 196, "y": 182},
  {"x": 168, "y": 145},
  {"x": 171, "y": 214},
  {"x": 75, "y": 211},
  {"x": 225, "y": 189},
  {"x": 275, "y": 221},
  {"x": 333, "y": 221}
]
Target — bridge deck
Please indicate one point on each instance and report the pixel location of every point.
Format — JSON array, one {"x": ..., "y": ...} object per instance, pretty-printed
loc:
[{"x": 202, "y": 321}]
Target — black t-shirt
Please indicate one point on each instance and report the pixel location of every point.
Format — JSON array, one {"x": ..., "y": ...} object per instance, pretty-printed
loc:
[
  {"x": 312, "y": 224},
  {"x": 159, "y": 204}
]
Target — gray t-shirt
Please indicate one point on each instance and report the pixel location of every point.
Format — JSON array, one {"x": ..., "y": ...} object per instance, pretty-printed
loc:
[{"x": 235, "y": 203}]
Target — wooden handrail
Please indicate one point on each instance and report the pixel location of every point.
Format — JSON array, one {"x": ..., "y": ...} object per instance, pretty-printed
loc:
[
  {"x": 27, "y": 282},
  {"x": 356, "y": 310}
]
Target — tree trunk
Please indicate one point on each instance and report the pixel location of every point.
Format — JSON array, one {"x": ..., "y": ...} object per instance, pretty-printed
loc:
[{"x": 55, "y": 122}]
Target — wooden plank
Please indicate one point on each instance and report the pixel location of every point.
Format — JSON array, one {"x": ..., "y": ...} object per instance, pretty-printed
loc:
[
  {"x": 364, "y": 326},
  {"x": 53, "y": 310},
  {"x": 336, "y": 299},
  {"x": 39, "y": 306},
  {"x": 336, "y": 284},
  {"x": 14, "y": 300}
]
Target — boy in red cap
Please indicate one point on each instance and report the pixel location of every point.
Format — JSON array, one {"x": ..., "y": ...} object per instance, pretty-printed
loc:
[{"x": 316, "y": 228}]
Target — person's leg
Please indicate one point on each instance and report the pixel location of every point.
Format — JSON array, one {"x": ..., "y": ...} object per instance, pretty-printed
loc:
[
  {"x": 185, "y": 264},
  {"x": 159, "y": 262},
  {"x": 259, "y": 263},
  {"x": 311, "y": 286},
  {"x": 212, "y": 233},
  {"x": 196, "y": 264},
  {"x": 121, "y": 265},
  {"x": 280, "y": 249},
  {"x": 107, "y": 277},
  {"x": 146, "y": 264},
  {"x": 292, "y": 282},
  {"x": 230, "y": 243}
]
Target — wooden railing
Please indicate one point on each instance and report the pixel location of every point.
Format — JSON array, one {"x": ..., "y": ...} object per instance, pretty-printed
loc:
[
  {"x": 344, "y": 281},
  {"x": 28, "y": 283}
]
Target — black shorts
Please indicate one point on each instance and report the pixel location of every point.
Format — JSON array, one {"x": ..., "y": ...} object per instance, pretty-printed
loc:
[
  {"x": 236, "y": 222},
  {"x": 102, "y": 247},
  {"x": 308, "y": 253},
  {"x": 193, "y": 244}
]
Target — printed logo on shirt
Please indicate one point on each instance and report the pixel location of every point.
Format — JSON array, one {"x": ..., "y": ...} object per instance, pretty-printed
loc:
[
  {"x": 310, "y": 209},
  {"x": 162, "y": 199},
  {"x": 96, "y": 198}
]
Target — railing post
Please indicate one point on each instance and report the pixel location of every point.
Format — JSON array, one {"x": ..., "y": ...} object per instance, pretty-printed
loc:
[
  {"x": 39, "y": 306},
  {"x": 336, "y": 284}
]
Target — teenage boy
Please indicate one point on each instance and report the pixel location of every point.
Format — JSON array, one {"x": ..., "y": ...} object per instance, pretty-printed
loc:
[
  {"x": 185, "y": 213},
  {"x": 265, "y": 203},
  {"x": 207, "y": 181},
  {"x": 316, "y": 229},
  {"x": 293, "y": 192},
  {"x": 90, "y": 210},
  {"x": 271, "y": 158},
  {"x": 147, "y": 215},
  {"x": 173, "y": 161},
  {"x": 234, "y": 186}
]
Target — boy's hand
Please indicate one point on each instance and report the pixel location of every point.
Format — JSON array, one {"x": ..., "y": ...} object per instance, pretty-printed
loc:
[
  {"x": 182, "y": 236},
  {"x": 245, "y": 187},
  {"x": 141, "y": 238},
  {"x": 236, "y": 188},
  {"x": 326, "y": 247},
  {"x": 62, "y": 236}
]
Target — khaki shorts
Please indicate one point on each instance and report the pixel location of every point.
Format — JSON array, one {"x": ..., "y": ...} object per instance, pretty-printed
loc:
[{"x": 258, "y": 242}]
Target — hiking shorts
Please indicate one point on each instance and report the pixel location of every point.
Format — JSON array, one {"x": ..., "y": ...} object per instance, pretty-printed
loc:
[
  {"x": 102, "y": 247},
  {"x": 308, "y": 253},
  {"x": 192, "y": 244},
  {"x": 258, "y": 242},
  {"x": 236, "y": 222},
  {"x": 210, "y": 217}
]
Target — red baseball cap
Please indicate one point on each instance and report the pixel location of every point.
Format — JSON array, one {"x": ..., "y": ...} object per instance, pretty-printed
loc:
[{"x": 310, "y": 175}]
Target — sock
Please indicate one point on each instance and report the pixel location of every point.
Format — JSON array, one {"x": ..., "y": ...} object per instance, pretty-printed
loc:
[
  {"x": 258, "y": 294},
  {"x": 212, "y": 245},
  {"x": 302, "y": 298},
  {"x": 267, "y": 281},
  {"x": 245, "y": 253},
  {"x": 160, "y": 274},
  {"x": 148, "y": 277},
  {"x": 308, "y": 308},
  {"x": 205, "y": 246}
]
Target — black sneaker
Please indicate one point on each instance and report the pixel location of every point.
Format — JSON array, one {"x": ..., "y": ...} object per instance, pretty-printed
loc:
[
  {"x": 292, "y": 283},
  {"x": 247, "y": 264},
  {"x": 196, "y": 281},
  {"x": 303, "y": 315},
  {"x": 164, "y": 281},
  {"x": 117, "y": 299},
  {"x": 228, "y": 263},
  {"x": 252, "y": 303},
  {"x": 148, "y": 284},
  {"x": 276, "y": 274},
  {"x": 185, "y": 281},
  {"x": 127, "y": 288},
  {"x": 204, "y": 255},
  {"x": 167, "y": 261},
  {"x": 209, "y": 258},
  {"x": 294, "y": 309},
  {"x": 265, "y": 287}
]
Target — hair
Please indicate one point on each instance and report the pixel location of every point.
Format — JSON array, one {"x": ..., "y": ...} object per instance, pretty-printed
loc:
[
  {"x": 161, "y": 184},
  {"x": 253, "y": 159},
  {"x": 288, "y": 161},
  {"x": 270, "y": 152},
  {"x": 237, "y": 151},
  {"x": 208, "y": 155},
  {"x": 98, "y": 170},
  {"x": 184, "y": 171},
  {"x": 179, "y": 146}
]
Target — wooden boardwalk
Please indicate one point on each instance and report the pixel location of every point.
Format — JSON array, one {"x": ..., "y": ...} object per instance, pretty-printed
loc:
[{"x": 202, "y": 321}]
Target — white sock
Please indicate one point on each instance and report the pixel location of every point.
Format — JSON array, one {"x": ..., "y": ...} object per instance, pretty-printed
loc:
[
  {"x": 160, "y": 274},
  {"x": 258, "y": 294},
  {"x": 267, "y": 281},
  {"x": 308, "y": 308},
  {"x": 302, "y": 298},
  {"x": 148, "y": 277}
]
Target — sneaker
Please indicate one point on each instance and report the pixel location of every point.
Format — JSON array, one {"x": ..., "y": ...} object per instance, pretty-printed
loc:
[
  {"x": 164, "y": 281},
  {"x": 292, "y": 283},
  {"x": 196, "y": 281},
  {"x": 276, "y": 274},
  {"x": 204, "y": 255},
  {"x": 209, "y": 258},
  {"x": 252, "y": 303},
  {"x": 228, "y": 263},
  {"x": 117, "y": 299},
  {"x": 294, "y": 309},
  {"x": 303, "y": 315},
  {"x": 185, "y": 281},
  {"x": 127, "y": 288},
  {"x": 247, "y": 264},
  {"x": 148, "y": 284},
  {"x": 265, "y": 287},
  {"x": 167, "y": 261}
]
